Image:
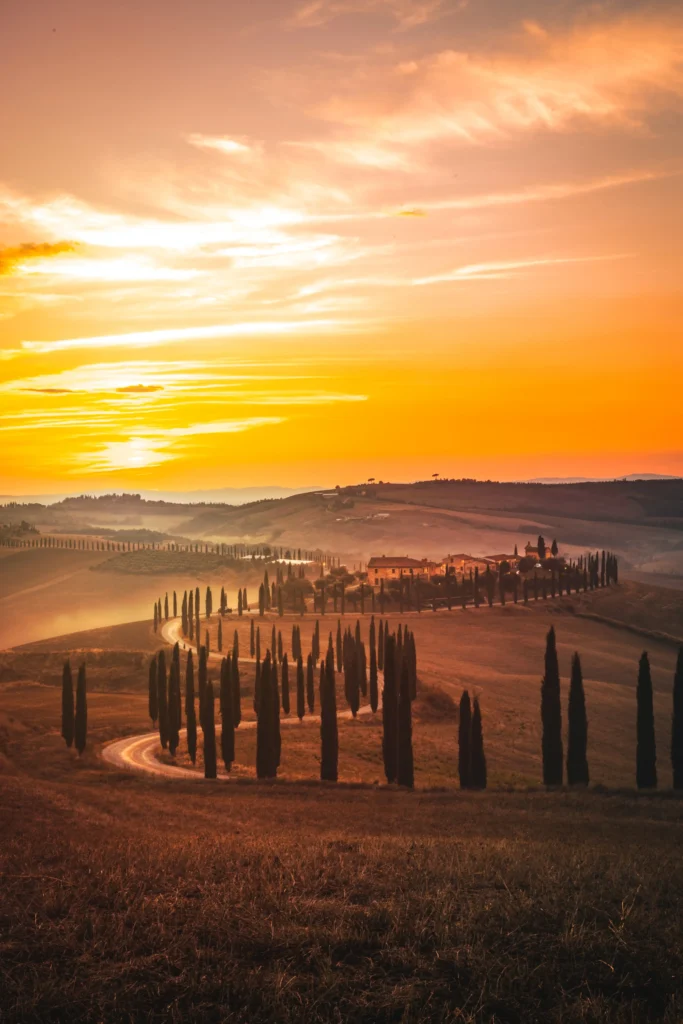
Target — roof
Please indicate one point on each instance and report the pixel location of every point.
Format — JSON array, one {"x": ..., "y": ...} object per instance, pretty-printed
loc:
[
  {"x": 460, "y": 554},
  {"x": 398, "y": 562}
]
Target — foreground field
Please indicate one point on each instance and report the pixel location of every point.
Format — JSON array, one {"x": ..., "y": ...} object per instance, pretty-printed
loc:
[
  {"x": 125, "y": 900},
  {"x": 133, "y": 899}
]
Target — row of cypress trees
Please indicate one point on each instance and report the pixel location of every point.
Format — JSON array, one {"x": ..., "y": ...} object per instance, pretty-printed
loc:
[
  {"x": 577, "y": 730},
  {"x": 74, "y": 715}
]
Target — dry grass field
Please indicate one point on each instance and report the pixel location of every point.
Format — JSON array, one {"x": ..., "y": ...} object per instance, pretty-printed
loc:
[{"x": 133, "y": 899}]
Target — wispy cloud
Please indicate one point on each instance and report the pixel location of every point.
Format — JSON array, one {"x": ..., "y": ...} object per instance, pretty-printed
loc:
[
  {"x": 164, "y": 335},
  {"x": 612, "y": 72},
  {"x": 224, "y": 145},
  {"x": 16, "y": 258},
  {"x": 406, "y": 13},
  {"x": 502, "y": 269}
]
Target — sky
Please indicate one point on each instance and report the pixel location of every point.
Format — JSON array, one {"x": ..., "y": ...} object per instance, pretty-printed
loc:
[{"x": 291, "y": 243}]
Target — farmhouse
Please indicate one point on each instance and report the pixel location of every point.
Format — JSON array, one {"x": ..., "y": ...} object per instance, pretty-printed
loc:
[
  {"x": 462, "y": 564},
  {"x": 392, "y": 567}
]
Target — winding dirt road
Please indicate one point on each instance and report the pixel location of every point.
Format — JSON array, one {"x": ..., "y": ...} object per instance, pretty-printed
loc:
[{"x": 138, "y": 753}]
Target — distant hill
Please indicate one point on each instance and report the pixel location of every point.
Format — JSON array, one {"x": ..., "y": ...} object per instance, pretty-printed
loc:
[{"x": 641, "y": 520}]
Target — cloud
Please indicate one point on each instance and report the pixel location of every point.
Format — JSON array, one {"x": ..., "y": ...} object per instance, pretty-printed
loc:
[
  {"x": 613, "y": 73},
  {"x": 15, "y": 258},
  {"x": 503, "y": 269},
  {"x": 535, "y": 193},
  {"x": 407, "y": 13},
  {"x": 139, "y": 389},
  {"x": 161, "y": 336},
  {"x": 229, "y": 147}
]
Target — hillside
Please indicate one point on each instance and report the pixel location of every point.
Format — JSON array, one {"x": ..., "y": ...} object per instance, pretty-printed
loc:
[{"x": 642, "y": 521}]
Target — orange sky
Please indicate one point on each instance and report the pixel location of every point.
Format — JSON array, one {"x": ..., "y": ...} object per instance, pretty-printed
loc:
[{"x": 306, "y": 243}]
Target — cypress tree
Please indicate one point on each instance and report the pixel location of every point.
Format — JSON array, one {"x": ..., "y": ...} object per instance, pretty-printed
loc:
[
  {"x": 190, "y": 615},
  {"x": 81, "y": 715},
  {"x": 551, "y": 715},
  {"x": 374, "y": 695},
  {"x": 183, "y": 613},
  {"x": 208, "y": 603},
  {"x": 405, "y": 770},
  {"x": 285, "y": 685},
  {"x": 280, "y": 607},
  {"x": 280, "y": 648},
  {"x": 162, "y": 699},
  {"x": 239, "y": 601},
  {"x": 310, "y": 684},
  {"x": 237, "y": 700},
  {"x": 677, "y": 724},
  {"x": 380, "y": 646},
  {"x": 264, "y": 731},
  {"x": 352, "y": 670},
  {"x": 261, "y": 601},
  {"x": 227, "y": 718},
  {"x": 329, "y": 736},
  {"x": 156, "y": 621},
  {"x": 390, "y": 709},
  {"x": 166, "y": 607},
  {"x": 338, "y": 646},
  {"x": 252, "y": 640},
  {"x": 219, "y": 642},
  {"x": 577, "y": 738},
  {"x": 201, "y": 682},
  {"x": 372, "y": 641},
  {"x": 275, "y": 720},
  {"x": 68, "y": 721},
  {"x": 173, "y": 708},
  {"x": 478, "y": 758},
  {"x": 465, "y": 742},
  {"x": 300, "y": 693},
  {"x": 235, "y": 645},
  {"x": 190, "y": 714},
  {"x": 646, "y": 751},
  {"x": 209, "y": 728}
]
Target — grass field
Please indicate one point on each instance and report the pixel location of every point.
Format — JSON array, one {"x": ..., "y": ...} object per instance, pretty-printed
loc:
[
  {"x": 129, "y": 900},
  {"x": 133, "y": 899}
]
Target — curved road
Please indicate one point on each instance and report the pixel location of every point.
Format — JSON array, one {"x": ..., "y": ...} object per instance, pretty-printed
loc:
[{"x": 138, "y": 753}]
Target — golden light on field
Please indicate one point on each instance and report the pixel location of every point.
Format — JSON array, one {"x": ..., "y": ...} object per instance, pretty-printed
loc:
[{"x": 423, "y": 237}]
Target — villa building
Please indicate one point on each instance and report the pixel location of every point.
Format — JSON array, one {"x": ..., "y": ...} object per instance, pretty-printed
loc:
[{"x": 391, "y": 567}]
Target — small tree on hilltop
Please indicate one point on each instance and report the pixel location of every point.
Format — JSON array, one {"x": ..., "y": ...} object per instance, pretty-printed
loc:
[
  {"x": 68, "y": 716},
  {"x": 646, "y": 751}
]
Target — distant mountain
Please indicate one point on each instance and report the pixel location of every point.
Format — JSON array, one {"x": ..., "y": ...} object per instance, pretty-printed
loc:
[{"x": 630, "y": 478}]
